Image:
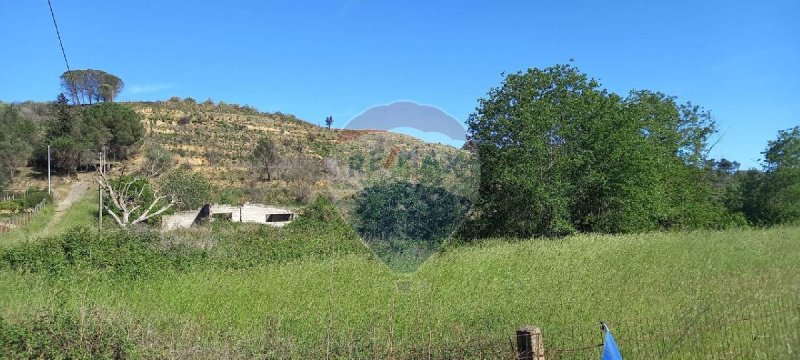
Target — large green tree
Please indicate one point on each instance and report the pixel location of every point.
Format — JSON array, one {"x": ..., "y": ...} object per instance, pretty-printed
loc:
[
  {"x": 73, "y": 140},
  {"x": 17, "y": 139},
  {"x": 76, "y": 134},
  {"x": 559, "y": 154},
  {"x": 772, "y": 197},
  {"x": 123, "y": 124},
  {"x": 784, "y": 151}
]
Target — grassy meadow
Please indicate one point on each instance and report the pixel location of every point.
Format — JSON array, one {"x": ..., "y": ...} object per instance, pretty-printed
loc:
[{"x": 246, "y": 292}]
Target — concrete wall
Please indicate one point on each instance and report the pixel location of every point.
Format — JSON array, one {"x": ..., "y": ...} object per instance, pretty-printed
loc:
[{"x": 249, "y": 213}]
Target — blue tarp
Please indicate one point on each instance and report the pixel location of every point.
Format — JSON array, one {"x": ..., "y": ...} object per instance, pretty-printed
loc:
[{"x": 610, "y": 349}]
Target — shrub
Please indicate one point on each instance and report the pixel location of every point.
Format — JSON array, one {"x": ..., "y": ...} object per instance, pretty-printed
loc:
[
  {"x": 11, "y": 206},
  {"x": 191, "y": 189},
  {"x": 321, "y": 210},
  {"x": 35, "y": 196},
  {"x": 62, "y": 335},
  {"x": 301, "y": 191},
  {"x": 318, "y": 233},
  {"x": 157, "y": 160},
  {"x": 407, "y": 211},
  {"x": 127, "y": 253}
]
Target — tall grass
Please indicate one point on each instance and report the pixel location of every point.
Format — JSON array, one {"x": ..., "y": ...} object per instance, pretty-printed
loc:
[
  {"x": 31, "y": 230},
  {"x": 250, "y": 302}
]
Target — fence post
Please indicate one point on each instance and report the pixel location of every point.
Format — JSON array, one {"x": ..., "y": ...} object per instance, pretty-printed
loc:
[{"x": 529, "y": 343}]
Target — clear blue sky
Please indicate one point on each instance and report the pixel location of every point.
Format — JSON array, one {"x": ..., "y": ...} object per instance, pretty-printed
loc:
[{"x": 740, "y": 59}]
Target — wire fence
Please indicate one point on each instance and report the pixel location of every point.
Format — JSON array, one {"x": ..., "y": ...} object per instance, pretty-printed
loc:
[
  {"x": 16, "y": 221},
  {"x": 13, "y": 195}
]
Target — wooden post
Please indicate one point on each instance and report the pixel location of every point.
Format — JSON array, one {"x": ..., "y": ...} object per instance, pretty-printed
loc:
[
  {"x": 102, "y": 157},
  {"x": 529, "y": 343},
  {"x": 49, "y": 191}
]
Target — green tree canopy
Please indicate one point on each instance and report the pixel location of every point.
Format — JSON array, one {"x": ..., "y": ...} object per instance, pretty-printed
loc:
[
  {"x": 772, "y": 197},
  {"x": 783, "y": 152},
  {"x": 17, "y": 138},
  {"x": 191, "y": 190},
  {"x": 558, "y": 154},
  {"x": 88, "y": 86},
  {"x": 73, "y": 141},
  {"x": 123, "y": 124}
]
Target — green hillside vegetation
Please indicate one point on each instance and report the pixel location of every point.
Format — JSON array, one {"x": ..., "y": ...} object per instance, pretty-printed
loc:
[
  {"x": 569, "y": 205},
  {"x": 218, "y": 139}
]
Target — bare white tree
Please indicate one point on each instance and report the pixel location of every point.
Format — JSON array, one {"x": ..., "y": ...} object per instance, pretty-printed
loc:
[{"x": 127, "y": 201}]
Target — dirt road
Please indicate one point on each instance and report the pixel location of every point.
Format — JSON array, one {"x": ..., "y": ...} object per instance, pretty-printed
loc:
[{"x": 76, "y": 192}]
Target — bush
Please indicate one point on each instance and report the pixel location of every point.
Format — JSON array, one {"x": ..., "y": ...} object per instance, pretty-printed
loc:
[
  {"x": 318, "y": 233},
  {"x": 157, "y": 160},
  {"x": 319, "y": 211},
  {"x": 35, "y": 196},
  {"x": 192, "y": 190},
  {"x": 12, "y": 206},
  {"x": 127, "y": 253},
  {"x": 62, "y": 335},
  {"x": 301, "y": 191},
  {"x": 407, "y": 211}
]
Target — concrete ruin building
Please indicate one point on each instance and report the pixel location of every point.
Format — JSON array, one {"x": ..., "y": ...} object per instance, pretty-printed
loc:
[{"x": 247, "y": 213}]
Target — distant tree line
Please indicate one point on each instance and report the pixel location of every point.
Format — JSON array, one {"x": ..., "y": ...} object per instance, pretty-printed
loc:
[
  {"x": 559, "y": 154},
  {"x": 75, "y": 135},
  {"x": 88, "y": 86},
  {"x": 18, "y": 137}
]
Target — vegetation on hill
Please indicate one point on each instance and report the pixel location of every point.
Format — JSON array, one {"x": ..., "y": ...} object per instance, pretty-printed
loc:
[
  {"x": 560, "y": 154},
  {"x": 87, "y": 86},
  {"x": 17, "y": 136},
  {"x": 276, "y": 158},
  {"x": 404, "y": 223}
]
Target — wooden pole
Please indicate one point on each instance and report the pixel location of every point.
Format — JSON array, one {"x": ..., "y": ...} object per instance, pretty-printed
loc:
[
  {"x": 100, "y": 191},
  {"x": 529, "y": 343},
  {"x": 49, "y": 191}
]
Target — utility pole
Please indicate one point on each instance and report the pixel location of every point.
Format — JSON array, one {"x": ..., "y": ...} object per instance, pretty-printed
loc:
[
  {"x": 102, "y": 156},
  {"x": 49, "y": 190}
]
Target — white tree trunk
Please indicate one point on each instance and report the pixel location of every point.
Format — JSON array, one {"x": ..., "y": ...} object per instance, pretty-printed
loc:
[{"x": 126, "y": 203}]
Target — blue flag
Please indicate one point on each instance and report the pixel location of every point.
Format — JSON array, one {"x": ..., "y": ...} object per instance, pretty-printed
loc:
[{"x": 610, "y": 349}]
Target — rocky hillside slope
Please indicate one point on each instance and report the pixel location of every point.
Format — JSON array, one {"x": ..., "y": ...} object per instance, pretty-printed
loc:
[{"x": 217, "y": 139}]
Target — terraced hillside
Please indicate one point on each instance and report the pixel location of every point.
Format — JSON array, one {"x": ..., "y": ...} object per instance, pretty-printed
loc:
[{"x": 217, "y": 139}]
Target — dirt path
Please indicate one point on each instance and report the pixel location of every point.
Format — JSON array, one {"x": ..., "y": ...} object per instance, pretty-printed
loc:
[{"x": 76, "y": 192}]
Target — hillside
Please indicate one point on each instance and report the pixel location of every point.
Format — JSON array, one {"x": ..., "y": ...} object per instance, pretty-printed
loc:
[{"x": 217, "y": 139}]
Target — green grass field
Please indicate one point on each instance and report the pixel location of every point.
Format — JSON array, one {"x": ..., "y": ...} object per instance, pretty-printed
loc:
[{"x": 641, "y": 284}]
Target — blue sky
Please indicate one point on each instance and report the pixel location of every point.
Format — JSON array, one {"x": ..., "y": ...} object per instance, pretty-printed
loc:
[{"x": 740, "y": 59}]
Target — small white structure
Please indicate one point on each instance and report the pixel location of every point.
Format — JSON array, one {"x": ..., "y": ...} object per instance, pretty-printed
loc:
[{"x": 249, "y": 213}]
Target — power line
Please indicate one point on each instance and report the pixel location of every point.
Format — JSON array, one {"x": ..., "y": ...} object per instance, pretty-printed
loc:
[
  {"x": 64, "y": 53},
  {"x": 60, "y": 43}
]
